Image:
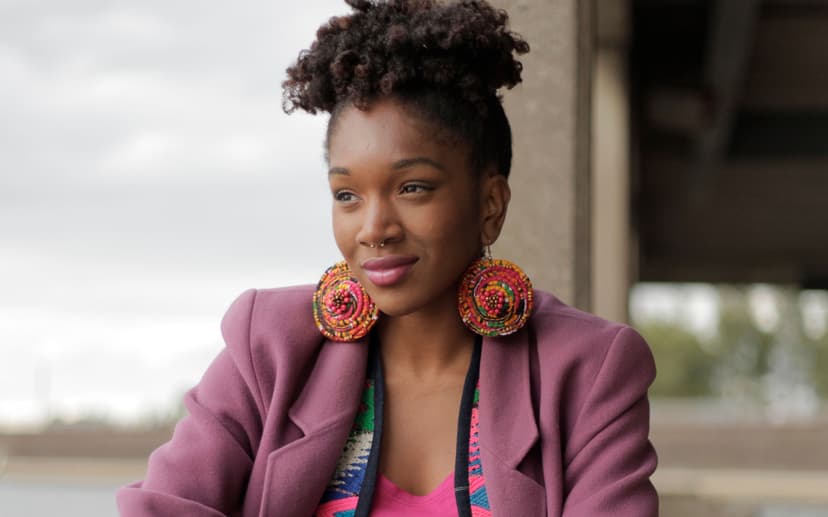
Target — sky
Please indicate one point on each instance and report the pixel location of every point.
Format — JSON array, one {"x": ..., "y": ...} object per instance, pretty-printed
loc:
[{"x": 148, "y": 176}]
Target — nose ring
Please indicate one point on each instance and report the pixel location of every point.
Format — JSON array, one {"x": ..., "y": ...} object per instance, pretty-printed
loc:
[{"x": 381, "y": 244}]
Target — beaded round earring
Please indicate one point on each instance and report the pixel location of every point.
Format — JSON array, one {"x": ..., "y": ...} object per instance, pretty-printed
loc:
[
  {"x": 495, "y": 297},
  {"x": 342, "y": 309}
]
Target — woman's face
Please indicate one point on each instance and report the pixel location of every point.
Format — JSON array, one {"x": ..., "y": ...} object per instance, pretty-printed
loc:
[{"x": 392, "y": 182}]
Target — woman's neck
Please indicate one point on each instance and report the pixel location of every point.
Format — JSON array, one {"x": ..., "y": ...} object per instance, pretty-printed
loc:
[{"x": 427, "y": 344}]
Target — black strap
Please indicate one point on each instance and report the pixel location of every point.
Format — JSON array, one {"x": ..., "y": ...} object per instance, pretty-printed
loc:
[
  {"x": 461, "y": 461},
  {"x": 366, "y": 491}
]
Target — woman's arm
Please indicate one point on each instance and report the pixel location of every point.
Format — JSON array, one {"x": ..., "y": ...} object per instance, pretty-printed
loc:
[
  {"x": 203, "y": 470},
  {"x": 609, "y": 458}
]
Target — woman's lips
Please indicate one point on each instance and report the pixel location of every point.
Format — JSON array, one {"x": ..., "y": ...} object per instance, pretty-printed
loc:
[{"x": 387, "y": 271}]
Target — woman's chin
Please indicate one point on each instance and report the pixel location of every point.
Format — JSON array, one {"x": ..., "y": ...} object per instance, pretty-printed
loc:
[
  {"x": 405, "y": 302},
  {"x": 398, "y": 302},
  {"x": 395, "y": 308}
]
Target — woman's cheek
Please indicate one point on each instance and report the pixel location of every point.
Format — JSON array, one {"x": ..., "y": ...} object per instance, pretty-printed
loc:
[{"x": 342, "y": 233}]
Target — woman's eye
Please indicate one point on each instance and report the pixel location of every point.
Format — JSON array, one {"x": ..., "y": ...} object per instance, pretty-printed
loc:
[
  {"x": 344, "y": 196},
  {"x": 413, "y": 188}
]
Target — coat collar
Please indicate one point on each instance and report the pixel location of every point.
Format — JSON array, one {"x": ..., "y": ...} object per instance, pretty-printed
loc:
[
  {"x": 508, "y": 429},
  {"x": 332, "y": 391},
  {"x": 298, "y": 472},
  {"x": 506, "y": 398}
]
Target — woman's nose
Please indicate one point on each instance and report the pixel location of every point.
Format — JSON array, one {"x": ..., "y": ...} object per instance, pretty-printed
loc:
[{"x": 379, "y": 224}]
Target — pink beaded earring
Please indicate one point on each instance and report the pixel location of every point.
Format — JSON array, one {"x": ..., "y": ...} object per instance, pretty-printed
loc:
[
  {"x": 342, "y": 309},
  {"x": 495, "y": 297}
]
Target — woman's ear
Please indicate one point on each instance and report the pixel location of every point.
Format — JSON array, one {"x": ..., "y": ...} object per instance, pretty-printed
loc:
[{"x": 495, "y": 196}]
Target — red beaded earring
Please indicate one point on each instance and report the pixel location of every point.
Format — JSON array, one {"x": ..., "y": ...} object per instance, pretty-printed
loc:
[
  {"x": 495, "y": 297},
  {"x": 342, "y": 309}
]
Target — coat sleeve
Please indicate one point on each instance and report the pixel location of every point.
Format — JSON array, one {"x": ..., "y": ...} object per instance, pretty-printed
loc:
[
  {"x": 609, "y": 458},
  {"x": 203, "y": 470}
]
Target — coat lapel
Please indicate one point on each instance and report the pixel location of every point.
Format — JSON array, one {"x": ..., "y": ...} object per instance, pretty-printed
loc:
[
  {"x": 508, "y": 430},
  {"x": 297, "y": 474}
]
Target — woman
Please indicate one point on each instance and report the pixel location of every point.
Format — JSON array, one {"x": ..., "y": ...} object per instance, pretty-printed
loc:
[{"x": 417, "y": 377}]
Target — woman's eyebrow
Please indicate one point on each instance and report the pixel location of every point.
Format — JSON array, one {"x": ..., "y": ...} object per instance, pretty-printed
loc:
[
  {"x": 339, "y": 170},
  {"x": 400, "y": 164},
  {"x": 408, "y": 162}
]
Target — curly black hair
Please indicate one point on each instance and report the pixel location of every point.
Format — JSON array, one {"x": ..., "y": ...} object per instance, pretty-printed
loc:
[{"x": 444, "y": 61}]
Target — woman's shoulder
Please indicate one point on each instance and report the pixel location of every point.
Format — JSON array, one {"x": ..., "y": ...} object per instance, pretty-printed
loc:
[
  {"x": 598, "y": 368},
  {"x": 285, "y": 304},
  {"x": 564, "y": 332},
  {"x": 550, "y": 313},
  {"x": 266, "y": 317}
]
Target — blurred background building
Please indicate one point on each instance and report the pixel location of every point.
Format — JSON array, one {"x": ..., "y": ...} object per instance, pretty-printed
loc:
[
  {"x": 678, "y": 153},
  {"x": 670, "y": 170}
]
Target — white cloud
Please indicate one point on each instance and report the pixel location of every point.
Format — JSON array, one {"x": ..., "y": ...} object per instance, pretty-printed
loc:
[{"x": 122, "y": 26}]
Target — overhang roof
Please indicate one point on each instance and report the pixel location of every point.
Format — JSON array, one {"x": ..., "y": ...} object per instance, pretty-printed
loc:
[{"x": 730, "y": 131}]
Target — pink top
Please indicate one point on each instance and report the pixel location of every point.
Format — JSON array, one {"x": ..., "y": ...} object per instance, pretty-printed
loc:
[{"x": 392, "y": 501}]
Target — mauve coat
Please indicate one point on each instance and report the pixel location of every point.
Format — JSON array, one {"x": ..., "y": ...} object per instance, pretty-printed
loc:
[{"x": 564, "y": 417}]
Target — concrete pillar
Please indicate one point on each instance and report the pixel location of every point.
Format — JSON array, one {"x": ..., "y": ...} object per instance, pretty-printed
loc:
[
  {"x": 548, "y": 226},
  {"x": 611, "y": 233}
]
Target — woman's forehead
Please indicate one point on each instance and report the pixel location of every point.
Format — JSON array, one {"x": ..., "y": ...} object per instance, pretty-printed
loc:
[{"x": 386, "y": 129}]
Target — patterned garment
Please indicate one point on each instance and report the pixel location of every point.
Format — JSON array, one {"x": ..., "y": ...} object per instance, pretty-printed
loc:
[
  {"x": 477, "y": 484},
  {"x": 342, "y": 495}
]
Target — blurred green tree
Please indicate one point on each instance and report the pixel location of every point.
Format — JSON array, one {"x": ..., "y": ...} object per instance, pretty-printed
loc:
[
  {"x": 821, "y": 365},
  {"x": 753, "y": 355},
  {"x": 684, "y": 368},
  {"x": 742, "y": 349},
  {"x": 819, "y": 345}
]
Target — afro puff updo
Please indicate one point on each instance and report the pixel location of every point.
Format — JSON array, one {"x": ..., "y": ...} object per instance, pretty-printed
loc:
[{"x": 443, "y": 61}]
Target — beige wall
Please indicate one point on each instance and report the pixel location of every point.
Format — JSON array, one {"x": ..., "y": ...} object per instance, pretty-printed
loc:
[
  {"x": 611, "y": 233},
  {"x": 610, "y": 188}
]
